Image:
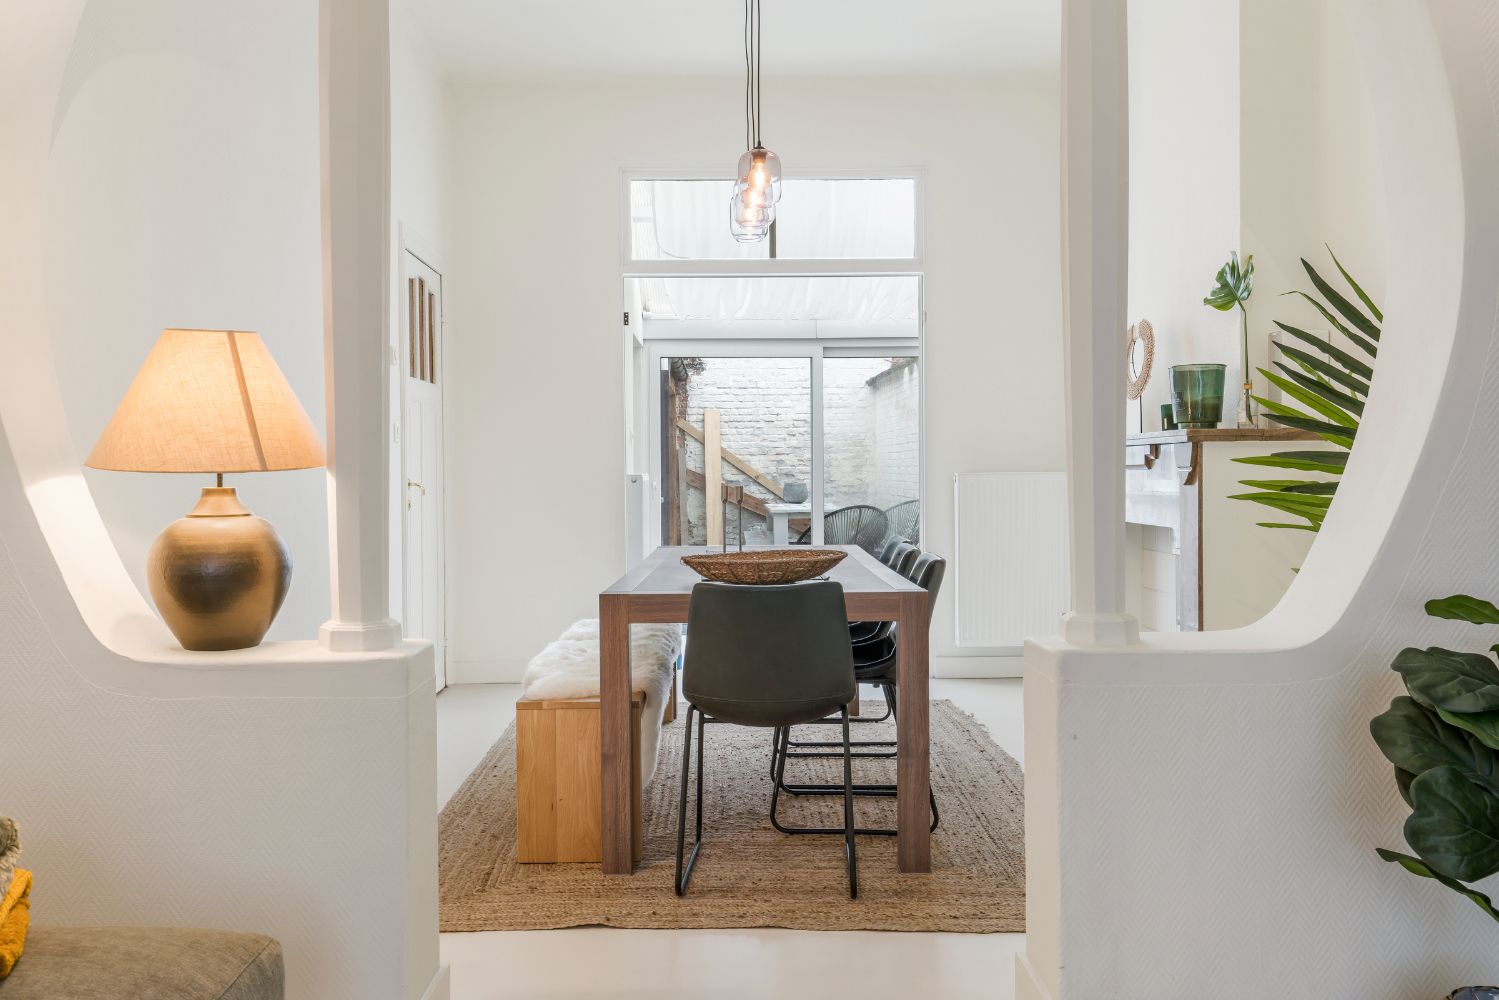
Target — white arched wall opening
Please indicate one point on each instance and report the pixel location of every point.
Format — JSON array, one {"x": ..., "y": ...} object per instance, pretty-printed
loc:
[
  {"x": 1202, "y": 809},
  {"x": 288, "y": 789}
]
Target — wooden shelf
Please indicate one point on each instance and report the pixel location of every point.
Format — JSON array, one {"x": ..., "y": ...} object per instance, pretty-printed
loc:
[{"x": 1203, "y": 435}]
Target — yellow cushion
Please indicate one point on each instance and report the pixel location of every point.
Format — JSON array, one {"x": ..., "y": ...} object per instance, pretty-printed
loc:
[{"x": 15, "y": 917}]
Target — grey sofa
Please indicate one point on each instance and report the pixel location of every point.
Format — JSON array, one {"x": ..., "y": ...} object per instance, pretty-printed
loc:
[{"x": 139, "y": 963}]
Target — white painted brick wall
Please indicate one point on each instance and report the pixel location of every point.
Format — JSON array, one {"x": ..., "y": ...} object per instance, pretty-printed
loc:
[{"x": 766, "y": 418}]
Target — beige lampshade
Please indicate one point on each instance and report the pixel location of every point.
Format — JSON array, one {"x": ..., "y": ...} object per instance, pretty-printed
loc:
[{"x": 208, "y": 401}]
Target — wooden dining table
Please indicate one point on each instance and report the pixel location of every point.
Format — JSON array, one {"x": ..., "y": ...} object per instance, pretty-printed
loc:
[{"x": 659, "y": 589}]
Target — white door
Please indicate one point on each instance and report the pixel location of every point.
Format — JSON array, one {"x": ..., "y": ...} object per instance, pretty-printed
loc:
[{"x": 421, "y": 449}]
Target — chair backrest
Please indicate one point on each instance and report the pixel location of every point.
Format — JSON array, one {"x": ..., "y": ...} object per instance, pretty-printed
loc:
[
  {"x": 768, "y": 656},
  {"x": 901, "y": 551},
  {"x": 905, "y": 559},
  {"x": 927, "y": 573},
  {"x": 904, "y": 521},
  {"x": 859, "y": 525},
  {"x": 887, "y": 554}
]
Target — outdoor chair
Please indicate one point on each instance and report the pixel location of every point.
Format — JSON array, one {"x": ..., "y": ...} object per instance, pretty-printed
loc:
[
  {"x": 904, "y": 520},
  {"x": 859, "y": 525}
]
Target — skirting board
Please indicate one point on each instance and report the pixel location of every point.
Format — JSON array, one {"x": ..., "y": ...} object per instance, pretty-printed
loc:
[
  {"x": 486, "y": 671},
  {"x": 946, "y": 667},
  {"x": 1027, "y": 986},
  {"x": 441, "y": 986},
  {"x": 978, "y": 667}
]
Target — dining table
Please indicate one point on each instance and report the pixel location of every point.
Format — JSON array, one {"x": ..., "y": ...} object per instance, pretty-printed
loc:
[{"x": 658, "y": 590}]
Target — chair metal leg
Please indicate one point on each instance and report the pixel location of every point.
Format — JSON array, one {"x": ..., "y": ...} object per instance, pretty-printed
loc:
[
  {"x": 870, "y": 790},
  {"x": 848, "y": 812},
  {"x": 684, "y": 874}
]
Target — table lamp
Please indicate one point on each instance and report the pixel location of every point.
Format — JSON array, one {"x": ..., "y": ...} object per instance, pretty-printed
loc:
[{"x": 213, "y": 401}]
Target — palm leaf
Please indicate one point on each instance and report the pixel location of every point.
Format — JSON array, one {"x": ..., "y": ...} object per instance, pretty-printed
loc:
[
  {"x": 1364, "y": 298},
  {"x": 1322, "y": 388},
  {"x": 1347, "y": 309},
  {"x": 1362, "y": 369},
  {"x": 1338, "y": 434},
  {"x": 1301, "y": 461},
  {"x": 1334, "y": 413},
  {"x": 1309, "y": 526},
  {"x": 1364, "y": 345}
]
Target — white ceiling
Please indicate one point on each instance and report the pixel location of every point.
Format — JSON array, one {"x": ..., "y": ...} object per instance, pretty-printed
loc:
[{"x": 693, "y": 37}]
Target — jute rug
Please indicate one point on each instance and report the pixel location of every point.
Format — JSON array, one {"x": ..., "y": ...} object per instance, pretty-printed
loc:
[{"x": 748, "y": 875}]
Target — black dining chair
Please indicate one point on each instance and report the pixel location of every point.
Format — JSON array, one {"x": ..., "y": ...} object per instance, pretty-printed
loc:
[
  {"x": 891, "y": 544},
  {"x": 770, "y": 657},
  {"x": 875, "y": 664}
]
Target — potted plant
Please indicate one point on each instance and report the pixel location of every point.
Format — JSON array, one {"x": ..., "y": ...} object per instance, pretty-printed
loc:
[
  {"x": 1331, "y": 384},
  {"x": 1443, "y": 739}
]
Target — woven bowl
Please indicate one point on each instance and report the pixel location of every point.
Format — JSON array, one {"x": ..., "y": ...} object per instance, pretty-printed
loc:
[{"x": 765, "y": 566}]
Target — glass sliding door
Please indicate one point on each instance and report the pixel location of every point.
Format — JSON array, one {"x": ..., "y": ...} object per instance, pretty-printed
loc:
[
  {"x": 871, "y": 449},
  {"x": 735, "y": 421}
]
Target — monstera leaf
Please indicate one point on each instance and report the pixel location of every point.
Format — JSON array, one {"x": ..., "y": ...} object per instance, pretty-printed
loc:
[{"x": 1234, "y": 284}]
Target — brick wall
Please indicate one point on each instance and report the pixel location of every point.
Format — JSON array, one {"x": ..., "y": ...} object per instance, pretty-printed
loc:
[{"x": 871, "y": 430}]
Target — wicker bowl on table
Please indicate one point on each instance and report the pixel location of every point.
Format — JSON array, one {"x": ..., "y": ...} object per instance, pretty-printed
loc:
[{"x": 764, "y": 567}]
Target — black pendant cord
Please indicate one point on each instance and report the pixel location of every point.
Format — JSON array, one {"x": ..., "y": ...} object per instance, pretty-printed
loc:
[{"x": 752, "y": 74}]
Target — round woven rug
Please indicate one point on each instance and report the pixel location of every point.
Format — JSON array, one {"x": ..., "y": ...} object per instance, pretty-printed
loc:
[{"x": 749, "y": 875}]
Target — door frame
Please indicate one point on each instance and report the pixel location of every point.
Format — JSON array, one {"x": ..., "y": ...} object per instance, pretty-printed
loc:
[{"x": 411, "y": 242}]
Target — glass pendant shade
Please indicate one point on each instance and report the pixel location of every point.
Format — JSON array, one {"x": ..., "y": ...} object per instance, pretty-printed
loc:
[
  {"x": 752, "y": 208},
  {"x": 760, "y": 169}
]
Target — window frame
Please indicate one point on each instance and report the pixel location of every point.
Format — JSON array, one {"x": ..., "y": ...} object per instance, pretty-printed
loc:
[{"x": 741, "y": 267}]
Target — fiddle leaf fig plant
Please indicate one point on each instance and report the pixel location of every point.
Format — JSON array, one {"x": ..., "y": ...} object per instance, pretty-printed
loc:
[{"x": 1443, "y": 740}]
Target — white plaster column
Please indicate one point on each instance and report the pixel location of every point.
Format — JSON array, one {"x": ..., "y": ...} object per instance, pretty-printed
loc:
[
  {"x": 1095, "y": 252},
  {"x": 354, "y": 84}
]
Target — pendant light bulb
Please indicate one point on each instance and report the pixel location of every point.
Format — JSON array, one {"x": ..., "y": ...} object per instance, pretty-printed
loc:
[{"x": 757, "y": 188}]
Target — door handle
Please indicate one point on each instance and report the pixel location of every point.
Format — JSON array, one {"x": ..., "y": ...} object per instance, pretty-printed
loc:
[{"x": 413, "y": 483}]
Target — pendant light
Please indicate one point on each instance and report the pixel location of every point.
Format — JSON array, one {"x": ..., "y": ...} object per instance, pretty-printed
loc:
[{"x": 752, "y": 207}]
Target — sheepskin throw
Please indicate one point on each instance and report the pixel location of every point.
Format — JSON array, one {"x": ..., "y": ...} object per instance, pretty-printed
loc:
[
  {"x": 569, "y": 668},
  {"x": 10, "y": 852}
]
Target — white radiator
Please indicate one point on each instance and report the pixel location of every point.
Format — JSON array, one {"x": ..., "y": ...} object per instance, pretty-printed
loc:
[{"x": 1011, "y": 539}]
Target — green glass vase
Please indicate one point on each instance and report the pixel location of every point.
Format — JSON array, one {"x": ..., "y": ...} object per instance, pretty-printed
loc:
[{"x": 1197, "y": 394}]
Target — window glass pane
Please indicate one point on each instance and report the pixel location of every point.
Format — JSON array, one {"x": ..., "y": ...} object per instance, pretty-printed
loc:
[
  {"x": 817, "y": 219},
  {"x": 757, "y": 413},
  {"x": 871, "y": 450}
]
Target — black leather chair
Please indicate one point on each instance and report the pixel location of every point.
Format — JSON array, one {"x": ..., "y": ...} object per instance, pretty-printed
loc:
[
  {"x": 874, "y": 663},
  {"x": 888, "y": 552},
  {"x": 771, "y": 657}
]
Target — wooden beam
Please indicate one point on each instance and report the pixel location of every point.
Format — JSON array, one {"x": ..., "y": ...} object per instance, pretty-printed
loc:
[
  {"x": 741, "y": 464},
  {"x": 673, "y": 448},
  {"x": 752, "y": 504},
  {"x": 713, "y": 475}
]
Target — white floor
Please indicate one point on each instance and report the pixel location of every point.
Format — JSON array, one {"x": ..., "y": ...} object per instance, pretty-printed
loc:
[{"x": 587, "y": 963}]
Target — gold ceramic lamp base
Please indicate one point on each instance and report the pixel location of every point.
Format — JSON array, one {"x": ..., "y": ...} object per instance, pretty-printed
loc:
[{"x": 219, "y": 575}]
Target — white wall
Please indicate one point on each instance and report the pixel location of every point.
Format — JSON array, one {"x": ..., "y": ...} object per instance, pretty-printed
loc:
[
  {"x": 1184, "y": 184},
  {"x": 535, "y": 253},
  {"x": 1250, "y": 130},
  {"x": 418, "y": 174},
  {"x": 284, "y": 789},
  {"x": 1310, "y": 175},
  {"x": 183, "y": 191}
]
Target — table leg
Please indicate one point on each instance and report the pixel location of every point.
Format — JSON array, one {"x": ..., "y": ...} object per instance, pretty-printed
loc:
[
  {"x": 913, "y": 766},
  {"x": 615, "y": 733},
  {"x": 778, "y": 532}
]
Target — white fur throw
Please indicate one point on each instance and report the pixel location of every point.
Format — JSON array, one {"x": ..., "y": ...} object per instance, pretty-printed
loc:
[
  {"x": 10, "y": 851},
  {"x": 569, "y": 668}
]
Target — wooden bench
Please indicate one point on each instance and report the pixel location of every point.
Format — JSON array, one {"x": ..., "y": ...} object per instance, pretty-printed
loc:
[{"x": 558, "y": 800}]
